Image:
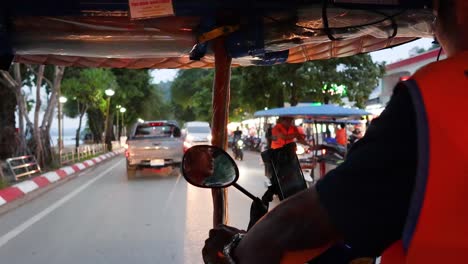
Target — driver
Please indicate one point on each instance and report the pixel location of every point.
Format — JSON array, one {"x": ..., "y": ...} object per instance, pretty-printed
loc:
[
  {"x": 365, "y": 201},
  {"x": 198, "y": 164},
  {"x": 207, "y": 166},
  {"x": 285, "y": 132}
]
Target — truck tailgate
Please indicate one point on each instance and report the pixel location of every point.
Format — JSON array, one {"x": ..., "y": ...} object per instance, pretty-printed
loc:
[{"x": 160, "y": 148}]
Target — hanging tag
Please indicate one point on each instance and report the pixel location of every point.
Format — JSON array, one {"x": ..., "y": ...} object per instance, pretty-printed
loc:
[{"x": 140, "y": 9}]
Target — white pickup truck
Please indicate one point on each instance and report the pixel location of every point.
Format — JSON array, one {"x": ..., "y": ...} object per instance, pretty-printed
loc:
[{"x": 157, "y": 145}]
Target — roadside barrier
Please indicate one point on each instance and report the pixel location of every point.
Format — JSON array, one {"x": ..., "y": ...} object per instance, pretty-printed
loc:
[
  {"x": 83, "y": 152},
  {"x": 19, "y": 190},
  {"x": 23, "y": 166}
]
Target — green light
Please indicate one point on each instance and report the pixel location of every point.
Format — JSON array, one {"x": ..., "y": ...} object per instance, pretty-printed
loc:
[{"x": 335, "y": 89}]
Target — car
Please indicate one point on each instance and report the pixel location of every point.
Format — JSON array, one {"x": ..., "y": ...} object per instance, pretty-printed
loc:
[
  {"x": 196, "y": 133},
  {"x": 154, "y": 144}
]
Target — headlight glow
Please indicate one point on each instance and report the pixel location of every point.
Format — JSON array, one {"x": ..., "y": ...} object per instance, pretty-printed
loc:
[
  {"x": 300, "y": 150},
  {"x": 240, "y": 142}
]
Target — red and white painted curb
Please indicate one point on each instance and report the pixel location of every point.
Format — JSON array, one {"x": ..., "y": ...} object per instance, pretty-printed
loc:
[{"x": 18, "y": 190}]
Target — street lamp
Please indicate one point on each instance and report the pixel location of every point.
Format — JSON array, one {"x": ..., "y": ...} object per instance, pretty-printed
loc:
[
  {"x": 122, "y": 110},
  {"x": 62, "y": 100},
  {"x": 118, "y": 125},
  {"x": 109, "y": 93}
]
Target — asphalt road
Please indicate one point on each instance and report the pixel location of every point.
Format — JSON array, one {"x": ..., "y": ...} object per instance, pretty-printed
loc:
[{"x": 100, "y": 217}]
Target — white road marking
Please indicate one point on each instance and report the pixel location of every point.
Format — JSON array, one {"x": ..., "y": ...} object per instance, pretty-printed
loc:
[
  {"x": 26, "y": 186},
  {"x": 28, "y": 223},
  {"x": 2, "y": 201},
  {"x": 81, "y": 166}
]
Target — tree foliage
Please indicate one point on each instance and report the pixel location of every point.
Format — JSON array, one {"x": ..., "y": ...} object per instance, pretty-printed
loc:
[
  {"x": 139, "y": 96},
  {"x": 86, "y": 91},
  {"x": 254, "y": 88},
  {"x": 191, "y": 92},
  {"x": 418, "y": 50},
  {"x": 357, "y": 73},
  {"x": 7, "y": 121},
  {"x": 35, "y": 136},
  {"x": 133, "y": 90}
]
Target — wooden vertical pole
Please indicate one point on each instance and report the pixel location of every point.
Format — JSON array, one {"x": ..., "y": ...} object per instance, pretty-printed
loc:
[{"x": 221, "y": 100}]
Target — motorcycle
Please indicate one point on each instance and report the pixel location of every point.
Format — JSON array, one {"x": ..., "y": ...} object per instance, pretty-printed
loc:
[
  {"x": 287, "y": 179},
  {"x": 253, "y": 143},
  {"x": 237, "y": 148}
]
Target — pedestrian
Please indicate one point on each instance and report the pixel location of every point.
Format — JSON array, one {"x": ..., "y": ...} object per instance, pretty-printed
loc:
[{"x": 341, "y": 135}]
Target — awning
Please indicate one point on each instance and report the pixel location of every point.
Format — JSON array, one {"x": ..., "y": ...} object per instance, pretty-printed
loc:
[
  {"x": 102, "y": 33},
  {"x": 321, "y": 112}
]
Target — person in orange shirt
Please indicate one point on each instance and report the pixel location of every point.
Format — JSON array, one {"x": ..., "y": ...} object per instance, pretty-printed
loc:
[
  {"x": 341, "y": 136},
  {"x": 286, "y": 132}
]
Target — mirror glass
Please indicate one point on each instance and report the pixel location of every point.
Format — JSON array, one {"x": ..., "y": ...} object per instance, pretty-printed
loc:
[{"x": 209, "y": 167}]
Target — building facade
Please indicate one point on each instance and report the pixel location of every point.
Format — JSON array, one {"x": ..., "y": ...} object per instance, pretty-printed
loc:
[{"x": 396, "y": 72}]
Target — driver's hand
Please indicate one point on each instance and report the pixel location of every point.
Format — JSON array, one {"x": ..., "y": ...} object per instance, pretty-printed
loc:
[{"x": 214, "y": 245}]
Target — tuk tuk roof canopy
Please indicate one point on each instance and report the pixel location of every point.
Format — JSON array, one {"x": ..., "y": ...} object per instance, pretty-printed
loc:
[
  {"x": 96, "y": 33},
  {"x": 319, "y": 112}
]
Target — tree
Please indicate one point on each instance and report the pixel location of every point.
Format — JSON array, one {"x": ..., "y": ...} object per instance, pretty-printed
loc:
[
  {"x": 191, "y": 94},
  {"x": 328, "y": 81},
  {"x": 40, "y": 76},
  {"x": 418, "y": 50},
  {"x": 133, "y": 90},
  {"x": 7, "y": 121},
  {"x": 254, "y": 88},
  {"x": 14, "y": 79},
  {"x": 86, "y": 91},
  {"x": 48, "y": 79},
  {"x": 139, "y": 96}
]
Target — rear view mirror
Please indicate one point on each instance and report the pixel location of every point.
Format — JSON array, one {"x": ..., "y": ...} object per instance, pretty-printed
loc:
[{"x": 209, "y": 167}]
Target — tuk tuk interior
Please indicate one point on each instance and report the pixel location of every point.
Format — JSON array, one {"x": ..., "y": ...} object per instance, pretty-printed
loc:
[{"x": 183, "y": 34}]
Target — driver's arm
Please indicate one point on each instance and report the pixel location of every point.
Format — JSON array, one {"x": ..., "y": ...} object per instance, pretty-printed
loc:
[
  {"x": 364, "y": 201},
  {"x": 299, "y": 223}
]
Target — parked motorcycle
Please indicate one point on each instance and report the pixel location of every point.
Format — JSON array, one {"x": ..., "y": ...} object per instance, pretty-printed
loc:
[{"x": 253, "y": 143}]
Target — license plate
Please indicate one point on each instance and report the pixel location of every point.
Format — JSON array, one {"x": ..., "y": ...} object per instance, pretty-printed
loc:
[{"x": 157, "y": 162}]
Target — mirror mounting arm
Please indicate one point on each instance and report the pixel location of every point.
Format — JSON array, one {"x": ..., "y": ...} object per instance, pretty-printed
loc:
[{"x": 244, "y": 191}]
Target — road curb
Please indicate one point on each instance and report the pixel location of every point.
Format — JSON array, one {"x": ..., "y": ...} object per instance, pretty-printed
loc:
[{"x": 20, "y": 190}]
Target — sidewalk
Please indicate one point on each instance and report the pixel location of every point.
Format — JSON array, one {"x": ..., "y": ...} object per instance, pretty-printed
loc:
[{"x": 19, "y": 190}]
